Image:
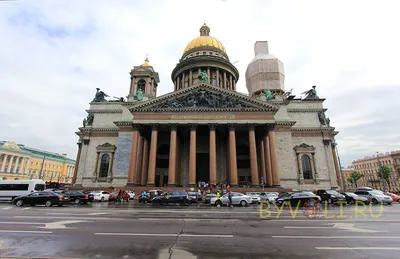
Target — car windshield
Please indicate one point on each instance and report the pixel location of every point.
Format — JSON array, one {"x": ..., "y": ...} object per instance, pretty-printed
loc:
[
  {"x": 332, "y": 192},
  {"x": 350, "y": 194},
  {"x": 192, "y": 193}
]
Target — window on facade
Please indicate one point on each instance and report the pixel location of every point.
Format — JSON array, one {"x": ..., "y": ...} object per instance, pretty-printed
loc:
[
  {"x": 141, "y": 85},
  {"x": 104, "y": 164},
  {"x": 306, "y": 164}
]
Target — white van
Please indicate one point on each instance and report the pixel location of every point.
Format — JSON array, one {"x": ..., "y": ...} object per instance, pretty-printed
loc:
[{"x": 9, "y": 189}]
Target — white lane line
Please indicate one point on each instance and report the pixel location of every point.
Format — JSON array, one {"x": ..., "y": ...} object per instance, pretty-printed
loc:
[
  {"x": 331, "y": 220},
  {"x": 304, "y": 227},
  {"x": 26, "y": 231},
  {"x": 6, "y": 208},
  {"x": 338, "y": 237},
  {"x": 28, "y": 208},
  {"x": 163, "y": 235},
  {"x": 357, "y": 248},
  {"x": 77, "y": 214},
  {"x": 22, "y": 223}
]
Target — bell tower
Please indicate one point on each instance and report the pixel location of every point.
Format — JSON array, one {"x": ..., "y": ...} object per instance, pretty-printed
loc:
[{"x": 144, "y": 82}]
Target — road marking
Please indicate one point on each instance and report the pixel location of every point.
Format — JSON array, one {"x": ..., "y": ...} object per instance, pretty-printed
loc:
[
  {"x": 169, "y": 219},
  {"x": 332, "y": 220},
  {"x": 77, "y": 218},
  {"x": 77, "y": 214},
  {"x": 28, "y": 208},
  {"x": 98, "y": 213},
  {"x": 62, "y": 224},
  {"x": 357, "y": 248},
  {"x": 22, "y": 223},
  {"x": 6, "y": 208},
  {"x": 338, "y": 237},
  {"x": 162, "y": 235},
  {"x": 26, "y": 231},
  {"x": 342, "y": 226}
]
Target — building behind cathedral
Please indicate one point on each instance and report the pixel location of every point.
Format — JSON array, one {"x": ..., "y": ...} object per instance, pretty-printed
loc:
[{"x": 204, "y": 130}]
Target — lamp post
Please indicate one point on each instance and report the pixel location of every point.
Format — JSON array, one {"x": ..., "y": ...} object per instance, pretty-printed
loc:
[
  {"x": 381, "y": 173},
  {"x": 340, "y": 165},
  {"x": 41, "y": 168}
]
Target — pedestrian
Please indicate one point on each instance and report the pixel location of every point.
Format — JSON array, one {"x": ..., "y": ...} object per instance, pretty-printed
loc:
[{"x": 230, "y": 198}]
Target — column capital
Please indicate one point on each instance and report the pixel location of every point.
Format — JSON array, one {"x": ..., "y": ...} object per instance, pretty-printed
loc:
[
  {"x": 173, "y": 126},
  {"x": 193, "y": 126},
  {"x": 136, "y": 126},
  {"x": 155, "y": 126},
  {"x": 231, "y": 126},
  {"x": 212, "y": 126},
  {"x": 251, "y": 126}
]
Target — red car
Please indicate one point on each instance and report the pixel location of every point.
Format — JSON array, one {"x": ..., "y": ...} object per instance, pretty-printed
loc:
[
  {"x": 113, "y": 196},
  {"x": 395, "y": 197}
]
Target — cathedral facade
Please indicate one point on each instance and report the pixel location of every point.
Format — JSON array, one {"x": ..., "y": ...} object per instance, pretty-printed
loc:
[{"x": 207, "y": 131}]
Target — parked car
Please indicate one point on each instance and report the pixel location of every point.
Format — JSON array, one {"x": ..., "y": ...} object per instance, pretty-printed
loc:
[
  {"x": 181, "y": 197},
  {"x": 90, "y": 195},
  {"x": 331, "y": 196},
  {"x": 237, "y": 199},
  {"x": 195, "y": 197},
  {"x": 296, "y": 198},
  {"x": 255, "y": 197},
  {"x": 75, "y": 196},
  {"x": 269, "y": 196},
  {"x": 150, "y": 195},
  {"x": 364, "y": 189},
  {"x": 47, "y": 198},
  {"x": 100, "y": 196},
  {"x": 352, "y": 198},
  {"x": 375, "y": 196},
  {"x": 209, "y": 196}
]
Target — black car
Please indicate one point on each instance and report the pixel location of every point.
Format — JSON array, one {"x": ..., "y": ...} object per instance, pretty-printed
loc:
[
  {"x": 90, "y": 195},
  {"x": 195, "y": 197},
  {"x": 331, "y": 196},
  {"x": 296, "y": 198},
  {"x": 181, "y": 197},
  {"x": 150, "y": 196},
  {"x": 47, "y": 198},
  {"x": 75, "y": 196},
  {"x": 352, "y": 198}
]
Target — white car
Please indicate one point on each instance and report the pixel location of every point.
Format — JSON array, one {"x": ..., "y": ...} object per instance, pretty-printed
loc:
[
  {"x": 255, "y": 197},
  {"x": 237, "y": 199},
  {"x": 101, "y": 196},
  {"x": 132, "y": 195}
]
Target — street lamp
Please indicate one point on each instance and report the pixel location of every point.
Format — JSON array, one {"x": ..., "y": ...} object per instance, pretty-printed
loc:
[
  {"x": 381, "y": 173},
  {"x": 340, "y": 165}
]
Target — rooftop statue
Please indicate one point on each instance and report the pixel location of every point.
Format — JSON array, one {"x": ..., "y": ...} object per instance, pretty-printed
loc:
[
  {"x": 121, "y": 99},
  {"x": 268, "y": 94},
  {"x": 322, "y": 118},
  {"x": 203, "y": 76},
  {"x": 89, "y": 120},
  {"x": 139, "y": 94},
  {"x": 100, "y": 96},
  {"x": 311, "y": 94}
]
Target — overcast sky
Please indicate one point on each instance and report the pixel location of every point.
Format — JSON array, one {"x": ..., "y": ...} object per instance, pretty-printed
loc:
[{"x": 53, "y": 54}]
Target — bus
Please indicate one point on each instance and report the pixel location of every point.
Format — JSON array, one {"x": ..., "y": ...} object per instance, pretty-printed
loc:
[{"x": 9, "y": 189}]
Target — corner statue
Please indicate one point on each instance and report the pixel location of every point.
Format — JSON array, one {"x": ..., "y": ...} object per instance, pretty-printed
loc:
[
  {"x": 268, "y": 94},
  {"x": 139, "y": 94},
  {"x": 311, "y": 94},
  {"x": 100, "y": 96},
  {"x": 203, "y": 76}
]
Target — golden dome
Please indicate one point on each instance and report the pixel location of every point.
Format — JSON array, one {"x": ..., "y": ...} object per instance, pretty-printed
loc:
[
  {"x": 146, "y": 63},
  {"x": 205, "y": 40}
]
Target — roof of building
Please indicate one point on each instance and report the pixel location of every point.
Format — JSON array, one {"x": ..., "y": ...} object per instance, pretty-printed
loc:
[
  {"x": 204, "y": 40},
  {"x": 20, "y": 148}
]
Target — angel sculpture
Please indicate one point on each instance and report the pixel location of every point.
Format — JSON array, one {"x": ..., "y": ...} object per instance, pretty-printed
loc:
[
  {"x": 311, "y": 94},
  {"x": 100, "y": 96},
  {"x": 203, "y": 76},
  {"x": 268, "y": 94}
]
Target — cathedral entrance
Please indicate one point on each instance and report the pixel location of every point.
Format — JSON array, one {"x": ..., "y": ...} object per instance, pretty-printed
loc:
[{"x": 202, "y": 167}]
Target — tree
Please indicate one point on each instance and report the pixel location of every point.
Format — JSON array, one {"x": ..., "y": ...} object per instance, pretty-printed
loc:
[
  {"x": 354, "y": 177},
  {"x": 385, "y": 172}
]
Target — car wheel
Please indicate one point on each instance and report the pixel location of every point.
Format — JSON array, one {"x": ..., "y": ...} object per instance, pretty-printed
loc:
[
  {"x": 19, "y": 203},
  {"x": 243, "y": 203},
  {"x": 48, "y": 203},
  {"x": 389, "y": 203},
  {"x": 218, "y": 203},
  {"x": 375, "y": 201},
  {"x": 77, "y": 201},
  {"x": 102, "y": 199},
  {"x": 60, "y": 205}
]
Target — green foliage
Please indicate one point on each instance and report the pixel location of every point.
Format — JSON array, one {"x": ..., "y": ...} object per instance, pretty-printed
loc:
[
  {"x": 385, "y": 172},
  {"x": 354, "y": 177}
]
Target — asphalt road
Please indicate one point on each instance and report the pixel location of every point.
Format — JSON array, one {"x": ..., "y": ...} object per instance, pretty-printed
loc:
[{"x": 145, "y": 231}]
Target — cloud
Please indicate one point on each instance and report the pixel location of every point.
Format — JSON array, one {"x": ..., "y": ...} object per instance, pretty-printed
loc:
[{"x": 55, "y": 53}]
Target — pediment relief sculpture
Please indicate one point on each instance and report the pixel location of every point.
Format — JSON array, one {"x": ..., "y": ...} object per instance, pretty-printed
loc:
[
  {"x": 106, "y": 146},
  {"x": 304, "y": 148}
]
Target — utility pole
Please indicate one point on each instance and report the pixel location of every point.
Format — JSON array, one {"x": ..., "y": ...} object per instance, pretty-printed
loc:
[
  {"x": 340, "y": 165},
  {"x": 381, "y": 173},
  {"x": 41, "y": 168}
]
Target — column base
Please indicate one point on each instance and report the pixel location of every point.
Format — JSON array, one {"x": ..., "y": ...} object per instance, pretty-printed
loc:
[
  {"x": 276, "y": 186},
  {"x": 255, "y": 186},
  {"x": 234, "y": 186},
  {"x": 192, "y": 185},
  {"x": 150, "y": 185},
  {"x": 171, "y": 185}
]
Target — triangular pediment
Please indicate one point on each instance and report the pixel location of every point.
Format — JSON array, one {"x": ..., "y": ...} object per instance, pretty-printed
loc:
[{"x": 203, "y": 97}]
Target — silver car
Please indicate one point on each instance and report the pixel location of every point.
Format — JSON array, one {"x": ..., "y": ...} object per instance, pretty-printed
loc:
[
  {"x": 375, "y": 196},
  {"x": 255, "y": 197},
  {"x": 237, "y": 199}
]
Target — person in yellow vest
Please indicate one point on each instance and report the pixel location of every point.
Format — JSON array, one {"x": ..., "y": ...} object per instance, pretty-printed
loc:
[{"x": 218, "y": 197}]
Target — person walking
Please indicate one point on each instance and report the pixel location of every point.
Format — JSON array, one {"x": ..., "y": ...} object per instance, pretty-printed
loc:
[{"x": 230, "y": 198}]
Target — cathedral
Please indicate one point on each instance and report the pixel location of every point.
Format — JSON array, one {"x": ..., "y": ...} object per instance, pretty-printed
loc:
[{"x": 206, "y": 131}]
